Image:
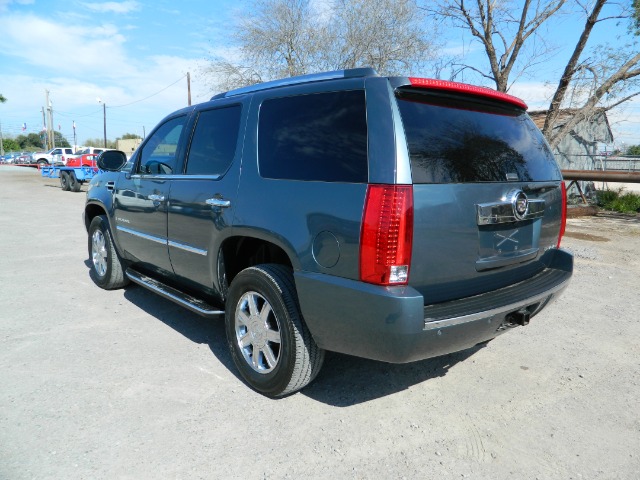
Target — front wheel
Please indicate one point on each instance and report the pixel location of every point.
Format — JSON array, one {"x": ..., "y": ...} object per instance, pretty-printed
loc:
[
  {"x": 107, "y": 270},
  {"x": 269, "y": 342}
]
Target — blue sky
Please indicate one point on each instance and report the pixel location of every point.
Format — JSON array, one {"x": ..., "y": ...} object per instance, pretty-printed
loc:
[
  {"x": 134, "y": 55},
  {"x": 121, "y": 52}
]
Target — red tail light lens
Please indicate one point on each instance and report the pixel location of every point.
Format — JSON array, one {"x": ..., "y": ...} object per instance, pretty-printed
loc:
[
  {"x": 387, "y": 235},
  {"x": 563, "y": 223}
]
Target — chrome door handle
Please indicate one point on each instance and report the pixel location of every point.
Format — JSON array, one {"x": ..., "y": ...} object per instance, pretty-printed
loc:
[
  {"x": 218, "y": 202},
  {"x": 156, "y": 198}
]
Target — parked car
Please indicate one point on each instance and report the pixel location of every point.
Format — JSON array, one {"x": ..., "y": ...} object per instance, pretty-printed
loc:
[
  {"x": 84, "y": 160},
  {"x": 24, "y": 158},
  {"x": 54, "y": 156},
  {"x": 391, "y": 218},
  {"x": 86, "y": 151},
  {"x": 8, "y": 157}
]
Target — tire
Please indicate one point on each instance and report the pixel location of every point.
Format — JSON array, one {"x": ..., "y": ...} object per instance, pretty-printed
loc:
[
  {"x": 269, "y": 342},
  {"x": 42, "y": 163},
  {"x": 64, "y": 181},
  {"x": 74, "y": 184},
  {"x": 107, "y": 269}
]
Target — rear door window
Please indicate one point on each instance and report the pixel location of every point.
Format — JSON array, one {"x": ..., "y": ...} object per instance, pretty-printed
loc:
[
  {"x": 315, "y": 137},
  {"x": 214, "y": 141},
  {"x": 458, "y": 140}
]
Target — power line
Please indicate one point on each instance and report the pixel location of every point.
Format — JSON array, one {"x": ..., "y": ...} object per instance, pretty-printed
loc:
[
  {"x": 75, "y": 115},
  {"x": 152, "y": 95}
]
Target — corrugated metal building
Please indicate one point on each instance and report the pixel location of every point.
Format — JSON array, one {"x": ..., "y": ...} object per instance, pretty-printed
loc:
[{"x": 578, "y": 150}]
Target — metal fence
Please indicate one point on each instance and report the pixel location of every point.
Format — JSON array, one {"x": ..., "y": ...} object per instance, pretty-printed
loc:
[{"x": 626, "y": 163}]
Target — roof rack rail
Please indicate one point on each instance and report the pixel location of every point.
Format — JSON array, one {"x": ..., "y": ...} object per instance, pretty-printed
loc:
[{"x": 313, "y": 77}]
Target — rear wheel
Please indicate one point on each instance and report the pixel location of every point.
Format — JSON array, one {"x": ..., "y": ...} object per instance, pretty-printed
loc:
[
  {"x": 74, "y": 184},
  {"x": 64, "y": 181},
  {"x": 269, "y": 342},
  {"x": 107, "y": 269}
]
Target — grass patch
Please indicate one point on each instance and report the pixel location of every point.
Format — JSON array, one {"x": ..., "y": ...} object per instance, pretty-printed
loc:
[{"x": 619, "y": 201}]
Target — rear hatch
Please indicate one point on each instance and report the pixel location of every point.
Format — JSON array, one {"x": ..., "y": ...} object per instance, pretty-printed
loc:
[{"x": 487, "y": 191}]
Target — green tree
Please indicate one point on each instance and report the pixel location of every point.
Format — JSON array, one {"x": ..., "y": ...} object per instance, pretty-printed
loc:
[
  {"x": 21, "y": 140},
  {"x": 10, "y": 145},
  {"x": 99, "y": 142},
  {"x": 129, "y": 136},
  {"x": 633, "y": 150},
  {"x": 60, "y": 140},
  {"x": 35, "y": 142},
  {"x": 2, "y": 98}
]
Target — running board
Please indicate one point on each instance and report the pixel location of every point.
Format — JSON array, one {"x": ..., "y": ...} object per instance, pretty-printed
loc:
[{"x": 184, "y": 299}]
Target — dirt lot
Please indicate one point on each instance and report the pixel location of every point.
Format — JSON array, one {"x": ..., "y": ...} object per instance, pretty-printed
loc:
[{"x": 123, "y": 384}]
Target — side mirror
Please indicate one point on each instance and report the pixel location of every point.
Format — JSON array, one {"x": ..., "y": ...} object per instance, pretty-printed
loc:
[{"x": 111, "y": 160}]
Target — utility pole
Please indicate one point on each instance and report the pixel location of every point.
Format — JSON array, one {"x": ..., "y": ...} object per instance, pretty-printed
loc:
[
  {"x": 104, "y": 121},
  {"x": 44, "y": 129},
  {"x": 51, "y": 143},
  {"x": 189, "y": 88},
  {"x": 1, "y": 145}
]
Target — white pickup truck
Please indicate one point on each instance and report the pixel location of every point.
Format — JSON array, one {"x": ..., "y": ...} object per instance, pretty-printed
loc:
[{"x": 52, "y": 157}]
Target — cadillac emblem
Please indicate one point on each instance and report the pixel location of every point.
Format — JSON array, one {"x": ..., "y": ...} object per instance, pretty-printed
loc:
[{"x": 520, "y": 204}]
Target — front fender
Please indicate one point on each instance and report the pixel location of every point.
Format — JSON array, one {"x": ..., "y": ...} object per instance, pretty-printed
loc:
[{"x": 100, "y": 197}]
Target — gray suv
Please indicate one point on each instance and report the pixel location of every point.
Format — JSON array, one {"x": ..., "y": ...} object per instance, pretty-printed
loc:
[{"x": 391, "y": 218}]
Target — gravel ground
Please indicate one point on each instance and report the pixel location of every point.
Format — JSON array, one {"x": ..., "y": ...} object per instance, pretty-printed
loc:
[{"x": 126, "y": 385}]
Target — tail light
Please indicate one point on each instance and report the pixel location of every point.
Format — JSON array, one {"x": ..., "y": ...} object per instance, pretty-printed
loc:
[
  {"x": 387, "y": 235},
  {"x": 563, "y": 222}
]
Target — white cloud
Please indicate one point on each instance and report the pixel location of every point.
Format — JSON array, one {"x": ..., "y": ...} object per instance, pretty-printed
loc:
[
  {"x": 113, "y": 7},
  {"x": 57, "y": 48},
  {"x": 537, "y": 95},
  {"x": 78, "y": 64}
]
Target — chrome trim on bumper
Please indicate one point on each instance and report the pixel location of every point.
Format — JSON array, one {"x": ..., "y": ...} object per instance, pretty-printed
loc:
[{"x": 434, "y": 324}]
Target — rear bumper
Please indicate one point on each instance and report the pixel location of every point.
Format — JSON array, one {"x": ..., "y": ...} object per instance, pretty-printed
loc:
[{"x": 392, "y": 324}]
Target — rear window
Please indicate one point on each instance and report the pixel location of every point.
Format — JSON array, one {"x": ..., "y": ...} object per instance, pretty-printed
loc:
[
  {"x": 458, "y": 140},
  {"x": 316, "y": 137}
]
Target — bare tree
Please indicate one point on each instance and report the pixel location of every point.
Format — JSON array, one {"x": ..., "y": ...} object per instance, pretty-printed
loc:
[
  {"x": 502, "y": 29},
  {"x": 602, "y": 81},
  {"x": 283, "y": 38},
  {"x": 606, "y": 73},
  {"x": 388, "y": 35}
]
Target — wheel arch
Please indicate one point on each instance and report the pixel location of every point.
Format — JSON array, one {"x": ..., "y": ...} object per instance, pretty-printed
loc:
[
  {"x": 244, "y": 251},
  {"x": 91, "y": 211}
]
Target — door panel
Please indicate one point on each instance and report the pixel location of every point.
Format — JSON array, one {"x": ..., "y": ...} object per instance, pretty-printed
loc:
[
  {"x": 141, "y": 197},
  {"x": 141, "y": 220},
  {"x": 202, "y": 199},
  {"x": 195, "y": 226}
]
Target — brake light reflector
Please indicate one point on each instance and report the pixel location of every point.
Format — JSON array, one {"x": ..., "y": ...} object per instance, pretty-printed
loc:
[
  {"x": 464, "y": 88},
  {"x": 387, "y": 235},
  {"x": 563, "y": 222}
]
